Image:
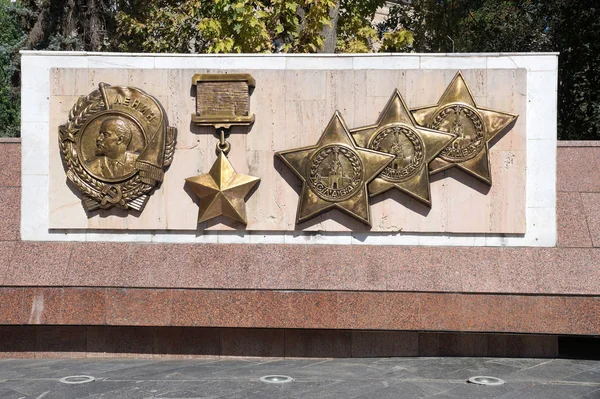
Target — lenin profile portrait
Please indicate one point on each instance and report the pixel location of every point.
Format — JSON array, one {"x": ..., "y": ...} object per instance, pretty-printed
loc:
[{"x": 114, "y": 156}]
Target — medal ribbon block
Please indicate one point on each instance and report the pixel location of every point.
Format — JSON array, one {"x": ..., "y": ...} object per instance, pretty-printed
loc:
[
  {"x": 222, "y": 101},
  {"x": 335, "y": 173}
]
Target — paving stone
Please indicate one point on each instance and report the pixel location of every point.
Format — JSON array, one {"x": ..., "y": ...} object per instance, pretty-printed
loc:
[{"x": 373, "y": 378}]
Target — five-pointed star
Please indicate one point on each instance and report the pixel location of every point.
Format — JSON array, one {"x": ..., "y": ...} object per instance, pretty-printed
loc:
[
  {"x": 494, "y": 123},
  {"x": 222, "y": 191},
  {"x": 427, "y": 142},
  {"x": 305, "y": 162}
]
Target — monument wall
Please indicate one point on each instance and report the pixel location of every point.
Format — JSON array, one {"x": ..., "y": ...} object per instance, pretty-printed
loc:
[{"x": 91, "y": 292}]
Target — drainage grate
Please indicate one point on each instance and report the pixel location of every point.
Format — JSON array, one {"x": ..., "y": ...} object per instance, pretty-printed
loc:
[
  {"x": 485, "y": 380},
  {"x": 276, "y": 379},
  {"x": 77, "y": 379}
]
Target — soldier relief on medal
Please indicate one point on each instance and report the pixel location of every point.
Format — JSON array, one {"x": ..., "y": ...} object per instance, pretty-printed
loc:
[
  {"x": 466, "y": 123},
  {"x": 401, "y": 141},
  {"x": 335, "y": 173}
]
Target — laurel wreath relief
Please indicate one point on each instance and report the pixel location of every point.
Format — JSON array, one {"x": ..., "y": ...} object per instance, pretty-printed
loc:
[{"x": 98, "y": 194}]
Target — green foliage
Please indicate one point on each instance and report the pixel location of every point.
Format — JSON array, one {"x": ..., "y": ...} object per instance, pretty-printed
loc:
[
  {"x": 299, "y": 26},
  {"x": 11, "y": 39},
  {"x": 224, "y": 26},
  {"x": 570, "y": 27},
  {"x": 355, "y": 31},
  {"x": 397, "y": 41}
]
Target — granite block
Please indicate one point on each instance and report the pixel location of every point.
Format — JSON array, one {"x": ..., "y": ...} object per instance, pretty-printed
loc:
[
  {"x": 6, "y": 251},
  {"x": 216, "y": 266},
  {"x": 477, "y": 267},
  {"x": 438, "y": 344},
  {"x": 378, "y": 311},
  {"x": 252, "y": 342},
  {"x": 10, "y": 213},
  {"x": 318, "y": 343},
  {"x": 591, "y": 206},
  {"x": 422, "y": 269},
  {"x": 579, "y": 313},
  {"x": 571, "y": 224},
  {"x": 524, "y": 313},
  {"x": 452, "y": 344},
  {"x": 345, "y": 268},
  {"x": 186, "y": 341},
  {"x": 312, "y": 310},
  {"x": 10, "y": 165},
  {"x": 17, "y": 342},
  {"x": 138, "y": 307},
  {"x": 568, "y": 271},
  {"x": 472, "y": 345},
  {"x": 136, "y": 341},
  {"x": 522, "y": 345},
  {"x": 483, "y": 313},
  {"x": 221, "y": 308},
  {"x": 441, "y": 312},
  {"x": 577, "y": 169},
  {"x": 42, "y": 305},
  {"x": 38, "y": 263},
  {"x": 11, "y": 303},
  {"x": 384, "y": 343},
  {"x": 271, "y": 267},
  {"x": 60, "y": 341},
  {"x": 84, "y": 306},
  {"x": 97, "y": 264},
  {"x": 518, "y": 269},
  {"x": 163, "y": 265}
]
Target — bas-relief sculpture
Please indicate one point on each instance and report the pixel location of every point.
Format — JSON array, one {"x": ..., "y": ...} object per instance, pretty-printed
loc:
[
  {"x": 474, "y": 126},
  {"x": 116, "y": 146},
  {"x": 420, "y": 142},
  {"x": 414, "y": 147},
  {"x": 335, "y": 173},
  {"x": 222, "y": 101}
]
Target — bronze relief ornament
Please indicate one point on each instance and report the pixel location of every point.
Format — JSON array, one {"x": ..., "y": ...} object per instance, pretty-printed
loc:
[
  {"x": 397, "y": 133},
  {"x": 335, "y": 173},
  {"x": 223, "y": 101},
  {"x": 475, "y": 126},
  {"x": 116, "y": 146}
]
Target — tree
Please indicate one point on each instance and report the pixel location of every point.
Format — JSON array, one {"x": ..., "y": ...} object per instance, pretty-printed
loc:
[
  {"x": 570, "y": 27},
  {"x": 11, "y": 39},
  {"x": 84, "y": 25},
  {"x": 223, "y": 26}
]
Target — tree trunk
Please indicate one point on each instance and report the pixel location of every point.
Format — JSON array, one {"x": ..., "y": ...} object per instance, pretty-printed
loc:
[{"x": 329, "y": 33}]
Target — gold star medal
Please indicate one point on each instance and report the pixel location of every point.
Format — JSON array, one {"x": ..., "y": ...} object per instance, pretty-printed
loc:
[
  {"x": 474, "y": 126},
  {"x": 396, "y": 132},
  {"x": 335, "y": 173},
  {"x": 222, "y": 101},
  {"x": 222, "y": 191}
]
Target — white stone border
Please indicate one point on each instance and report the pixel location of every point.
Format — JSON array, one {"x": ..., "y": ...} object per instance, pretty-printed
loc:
[{"x": 542, "y": 77}]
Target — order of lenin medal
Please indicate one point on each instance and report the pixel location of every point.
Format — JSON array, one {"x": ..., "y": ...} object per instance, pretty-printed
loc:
[{"x": 116, "y": 146}]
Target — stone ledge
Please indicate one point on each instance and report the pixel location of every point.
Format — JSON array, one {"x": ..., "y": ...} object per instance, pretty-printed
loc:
[
  {"x": 576, "y": 315},
  {"x": 553, "y": 271},
  {"x": 185, "y": 342}
]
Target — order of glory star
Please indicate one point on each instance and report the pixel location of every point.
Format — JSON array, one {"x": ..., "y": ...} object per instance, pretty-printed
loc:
[
  {"x": 335, "y": 173},
  {"x": 396, "y": 132},
  {"x": 475, "y": 126},
  {"x": 222, "y": 191}
]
